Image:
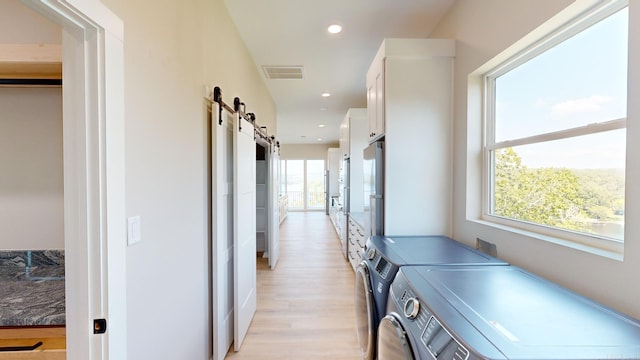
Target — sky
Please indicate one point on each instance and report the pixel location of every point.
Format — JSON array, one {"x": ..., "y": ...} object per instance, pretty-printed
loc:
[{"x": 578, "y": 82}]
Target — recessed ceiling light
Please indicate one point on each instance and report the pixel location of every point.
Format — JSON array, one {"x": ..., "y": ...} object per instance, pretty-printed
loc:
[
  {"x": 326, "y": 94},
  {"x": 334, "y": 29},
  {"x": 323, "y": 109},
  {"x": 319, "y": 139},
  {"x": 321, "y": 125}
]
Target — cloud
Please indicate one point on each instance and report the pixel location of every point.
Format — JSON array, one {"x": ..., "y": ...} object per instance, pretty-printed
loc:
[
  {"x": 542, "y": 103},
  {"x": 583, "y": 105}
]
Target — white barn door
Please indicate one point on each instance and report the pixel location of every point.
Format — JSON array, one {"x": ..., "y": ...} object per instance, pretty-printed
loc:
[
  {"x": 273, "y": 206},
  {"x": 222, "y": 230},
  {"x": 244, "y": 228}
]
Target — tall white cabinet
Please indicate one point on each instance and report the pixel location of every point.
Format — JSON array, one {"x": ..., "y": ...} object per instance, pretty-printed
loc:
[
  {"x": 333, "y": 165},
  {"x": 409, "y": 102},
  {"x": 333, "y": 187},
  {"x": 353, "y": 141}
]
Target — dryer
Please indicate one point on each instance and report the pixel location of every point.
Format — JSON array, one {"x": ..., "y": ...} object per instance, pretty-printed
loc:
[
  {"x": 470, "y": 313},
  {"x": 383, "y": 256}
]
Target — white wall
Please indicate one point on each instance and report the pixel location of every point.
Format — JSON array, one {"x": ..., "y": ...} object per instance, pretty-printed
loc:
[
  {"x": 21, "y": 25},
  {"x": 483, "y": 29},
  {"x": 31, "y": 197},
  {"x": 305, "y": 151},
  {"x": 31, "y": 182},
  {"x": 172, "y": 49}
]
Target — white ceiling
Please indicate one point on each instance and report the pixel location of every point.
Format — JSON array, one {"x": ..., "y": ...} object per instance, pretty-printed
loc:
[{"x": 294, "y": 32}]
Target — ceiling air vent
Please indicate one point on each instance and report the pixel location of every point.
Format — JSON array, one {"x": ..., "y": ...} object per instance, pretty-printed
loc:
[{"x": 282, "y": 72}]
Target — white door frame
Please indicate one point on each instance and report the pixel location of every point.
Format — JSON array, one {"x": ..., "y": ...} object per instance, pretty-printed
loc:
[{"x": 94, "y": 194}]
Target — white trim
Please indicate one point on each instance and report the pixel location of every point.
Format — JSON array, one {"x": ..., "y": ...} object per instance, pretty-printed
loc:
[
  {"x": 99, "y": 14},
  {"x": 562, "y": 134},
  {"x": 533, "y": 43},
  {"x": 596, "y": 242},
  {"x": 95, "y": 232},
  {"x": 614, "y": 251}
]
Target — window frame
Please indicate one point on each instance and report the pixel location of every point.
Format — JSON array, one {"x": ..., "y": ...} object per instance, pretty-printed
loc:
[{"x": 564, "y": 31}]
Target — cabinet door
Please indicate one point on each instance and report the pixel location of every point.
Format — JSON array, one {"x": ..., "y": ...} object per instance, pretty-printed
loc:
[
  {"x": 378, "y": 130},
  {"x": 344, "y": 138},
  {"x": 333, "y": 165},
  {"x": 375, "y": 102},
  {"x": 371, "y": 107}
]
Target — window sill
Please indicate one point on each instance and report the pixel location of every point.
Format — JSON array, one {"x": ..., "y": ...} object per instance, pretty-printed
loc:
[{"x": 611, "y": 254}]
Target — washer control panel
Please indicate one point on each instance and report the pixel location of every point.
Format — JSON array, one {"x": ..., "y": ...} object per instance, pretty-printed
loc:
[
  {"x": 382, "y": 266},
  {"x": 440, "y": 343}
]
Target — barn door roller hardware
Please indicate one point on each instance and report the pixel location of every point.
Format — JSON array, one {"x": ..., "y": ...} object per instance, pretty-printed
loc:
[
  {"x": 240, "y": 107},
  {"x": 217, "y": 97}
]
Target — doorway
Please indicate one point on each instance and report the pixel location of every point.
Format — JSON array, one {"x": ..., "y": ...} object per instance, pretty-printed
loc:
[
  {"x": 303, "y": 181},
  {"x": 31, "y": 179},
  {"x": 93, "y": 141},
  {"x": 267, "y": 199}
]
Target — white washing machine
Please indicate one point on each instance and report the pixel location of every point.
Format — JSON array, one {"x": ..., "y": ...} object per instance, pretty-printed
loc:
[{"x": 499, "y": 312}]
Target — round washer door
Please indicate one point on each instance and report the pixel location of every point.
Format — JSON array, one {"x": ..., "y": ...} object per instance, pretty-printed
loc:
[
  {"x": 393, "y": 343},
  {"x": 365, "y": 312}
]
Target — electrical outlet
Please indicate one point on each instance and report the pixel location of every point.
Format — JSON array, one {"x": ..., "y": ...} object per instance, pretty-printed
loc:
[{"x": 133, "y": 230}]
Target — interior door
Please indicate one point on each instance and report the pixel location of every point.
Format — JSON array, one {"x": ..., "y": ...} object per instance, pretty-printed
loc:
[
  {"x": 274, "y": 205},
  {"x": 222, "y": 231},
  {"x": 244, "y": 227}
]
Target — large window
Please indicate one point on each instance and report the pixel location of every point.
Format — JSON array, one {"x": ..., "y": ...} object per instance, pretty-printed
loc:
[
  {"x": 555, "y": 132},
  {"x": 303, "y": 182}
]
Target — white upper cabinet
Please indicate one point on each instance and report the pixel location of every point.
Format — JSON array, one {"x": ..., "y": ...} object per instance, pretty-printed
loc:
[
  {"x": 353, "y": 133},
  {"x": 344, "y": 138},
  {"x": 409, "y": 93},
  {"x": 396, "y": 52},
  {"x": 375, "y": 98},
  {"x": 333, "y": 165},
  {"x": 353, "y": 140}
]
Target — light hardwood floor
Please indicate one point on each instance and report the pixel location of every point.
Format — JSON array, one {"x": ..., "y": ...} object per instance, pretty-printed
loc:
[{"x": 305, "y": 306}]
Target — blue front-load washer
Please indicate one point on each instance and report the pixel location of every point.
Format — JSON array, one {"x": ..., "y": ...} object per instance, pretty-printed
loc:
[
  {"x": 497, "y": 312},
  {"x": 383, "y": 256}
]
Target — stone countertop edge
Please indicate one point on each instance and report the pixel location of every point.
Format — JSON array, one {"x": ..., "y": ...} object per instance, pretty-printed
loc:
[{"x": 32, "y": 290}]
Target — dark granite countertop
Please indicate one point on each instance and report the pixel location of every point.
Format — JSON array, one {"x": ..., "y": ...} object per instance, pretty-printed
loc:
[{"x": 32, "y": 288}]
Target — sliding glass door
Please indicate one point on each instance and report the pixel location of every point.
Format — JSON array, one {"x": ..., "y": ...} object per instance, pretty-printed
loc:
[{"x": 303, "y": 182}]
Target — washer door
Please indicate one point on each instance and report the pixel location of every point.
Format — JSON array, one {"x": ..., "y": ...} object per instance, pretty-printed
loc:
[
  {"x": 393, "y": 343},
  {"x": 365, "y": 311}
]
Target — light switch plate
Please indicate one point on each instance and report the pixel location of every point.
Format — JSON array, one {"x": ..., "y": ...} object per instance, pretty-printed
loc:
[{"x": 133, "y": 230}]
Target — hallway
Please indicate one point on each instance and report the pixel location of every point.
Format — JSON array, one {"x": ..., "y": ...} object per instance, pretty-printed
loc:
[{"x": 305, "y": 306}]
